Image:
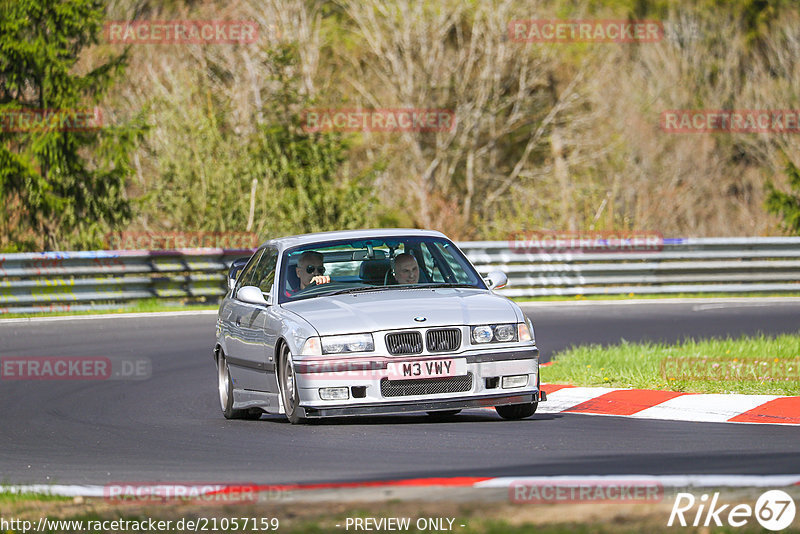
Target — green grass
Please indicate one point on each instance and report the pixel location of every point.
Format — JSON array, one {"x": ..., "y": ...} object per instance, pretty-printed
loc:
[
  {"x": 482, "y": 526},
  {"x": 629, "y": 296},
  {"x": 618, "y": 524},
  {"x": 8, "y": 497},
  {"x": 749, "y": 365},
  {"x": 478, "y": 517}
]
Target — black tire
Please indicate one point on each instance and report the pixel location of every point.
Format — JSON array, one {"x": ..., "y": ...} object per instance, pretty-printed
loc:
[
  {"x": 252, "y": 414},
  {"x": 516, "y": 411},
  {"x": 225, "y": 387},
  {"x": 444, "y": 414},
  {"x": 287, "y": 380}
]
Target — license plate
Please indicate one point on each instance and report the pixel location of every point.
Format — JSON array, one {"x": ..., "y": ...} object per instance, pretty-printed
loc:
[{"x": 427, "y": 369}]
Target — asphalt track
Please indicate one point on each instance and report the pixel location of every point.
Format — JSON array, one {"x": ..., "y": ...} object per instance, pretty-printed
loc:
[{"x": 170, "y": 429}]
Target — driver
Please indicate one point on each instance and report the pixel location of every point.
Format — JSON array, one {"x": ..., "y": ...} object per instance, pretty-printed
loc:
[
  {"x": 406, "y": 270},
  {"x": 311, "y": 270}
]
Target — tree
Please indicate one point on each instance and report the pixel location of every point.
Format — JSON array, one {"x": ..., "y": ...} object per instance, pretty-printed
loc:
[
  {"x": 787, "y": 205},
  {"x": 227, "y": 151},
  {"x": 308, "y": 184},
  {"x": 457, "y": 56},
  {"x": 62, "y": 183}
]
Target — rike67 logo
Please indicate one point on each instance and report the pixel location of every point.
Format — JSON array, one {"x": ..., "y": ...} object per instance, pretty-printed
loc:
[{"x": 774, "y": 510}]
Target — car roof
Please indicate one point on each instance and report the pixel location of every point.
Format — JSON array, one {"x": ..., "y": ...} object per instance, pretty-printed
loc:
[{"x": 319, "y": 237}]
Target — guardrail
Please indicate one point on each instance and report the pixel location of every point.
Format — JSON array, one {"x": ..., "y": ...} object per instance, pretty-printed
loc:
[
  {"x": 63, "y": 281},
  {"x": 75, "y": 281},
  {"x": 685, "y": 265}
]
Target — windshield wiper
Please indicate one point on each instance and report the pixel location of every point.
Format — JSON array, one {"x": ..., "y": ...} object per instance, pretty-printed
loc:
[
  {"x": 434, "y": 286},
  {"x": 401, "y": 286},
  {"x": 358, "y": 289}
]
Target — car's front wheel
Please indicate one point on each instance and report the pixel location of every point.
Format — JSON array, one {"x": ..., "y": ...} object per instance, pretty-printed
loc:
[
  {"x": 517, "y": 411},
  {"x": 289, "y": 390},
  {"x": 225, "y": 387}
]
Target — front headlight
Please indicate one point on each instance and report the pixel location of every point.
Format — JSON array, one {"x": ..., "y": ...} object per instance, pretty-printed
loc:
[
  {"x": 347, "y": 343},
  {"x": 499, "y": 333},
  {"x": 482, "y": 334},
  {"x": 505, "y": 332}
]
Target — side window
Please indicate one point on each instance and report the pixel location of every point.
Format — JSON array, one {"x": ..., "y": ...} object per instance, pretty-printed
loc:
[
  {"x": 265, "y": 271},
  {"x": 247, "y": 276}
]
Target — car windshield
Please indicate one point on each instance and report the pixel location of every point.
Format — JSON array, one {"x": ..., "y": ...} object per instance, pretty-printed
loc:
[{"x": 365, "y": 265}]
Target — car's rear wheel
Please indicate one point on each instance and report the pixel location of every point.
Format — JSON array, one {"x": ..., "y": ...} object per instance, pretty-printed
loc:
[
  {"x": 517, "y": 411},
  {"x": 289, "y": 391},
  {"x": 225, "y": 387}
]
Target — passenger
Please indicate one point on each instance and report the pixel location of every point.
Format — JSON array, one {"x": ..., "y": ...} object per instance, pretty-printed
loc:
[
  {"x": 311, "y": 270},
  {"x": 405, "y": 268}
]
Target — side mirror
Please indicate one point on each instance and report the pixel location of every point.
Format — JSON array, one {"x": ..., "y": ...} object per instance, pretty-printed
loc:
[
  {"x": 235, "y": 269},
  {"x": 496, "y": 279},
  {"x": 251, "y": 295}
]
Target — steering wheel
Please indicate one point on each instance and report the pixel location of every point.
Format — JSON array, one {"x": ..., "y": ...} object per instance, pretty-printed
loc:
[{"x": 310, "y": 288}]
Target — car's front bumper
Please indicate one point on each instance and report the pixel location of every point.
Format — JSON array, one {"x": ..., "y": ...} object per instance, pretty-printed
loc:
[
  {"x": 429, "y": 406},
  {"x": 367, "y": 376}
]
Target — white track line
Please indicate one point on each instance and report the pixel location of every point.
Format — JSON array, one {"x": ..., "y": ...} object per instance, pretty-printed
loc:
[
  {"x": 700, "y": 301},
  {"x": 566, "y": 398},
  {"x": 667, "y": 481},
  {"x": 142, "y": 315},
  {"x": 708, "y": 408}
]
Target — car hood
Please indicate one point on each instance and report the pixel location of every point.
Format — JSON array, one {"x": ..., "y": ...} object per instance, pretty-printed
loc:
[{"x": 396, "y": 309}]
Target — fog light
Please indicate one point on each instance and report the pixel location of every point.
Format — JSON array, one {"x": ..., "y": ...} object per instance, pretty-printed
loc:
[
  {"x": 334, "y": 393},
  {"x": 516, "y": 381}
]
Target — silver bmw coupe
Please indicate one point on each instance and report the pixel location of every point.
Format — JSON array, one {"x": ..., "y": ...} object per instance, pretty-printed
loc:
[{"x": 370, "y": 322}]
